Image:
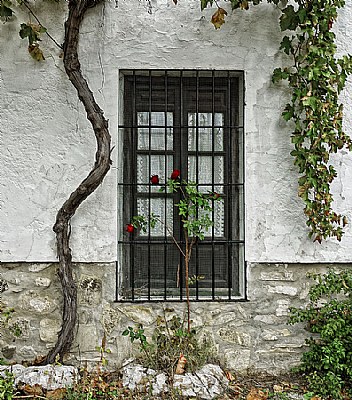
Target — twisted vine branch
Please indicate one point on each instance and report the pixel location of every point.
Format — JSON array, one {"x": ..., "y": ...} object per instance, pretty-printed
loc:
[{"x": 77, "y": 9}]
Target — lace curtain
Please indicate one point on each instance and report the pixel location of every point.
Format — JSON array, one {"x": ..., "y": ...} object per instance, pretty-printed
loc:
[{"x": 157, "y": 135}]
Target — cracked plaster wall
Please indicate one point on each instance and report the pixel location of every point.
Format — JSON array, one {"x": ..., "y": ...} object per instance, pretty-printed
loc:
[{"x": 47, "y": 146}]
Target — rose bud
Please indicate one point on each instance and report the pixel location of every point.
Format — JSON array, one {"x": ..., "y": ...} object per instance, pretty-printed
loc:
[
  {"x": 175, "y": 174},
  {"x": 154, "y": 179},
  {"x": 129, "y": 228},
  {"x": 216, "y": 195}
]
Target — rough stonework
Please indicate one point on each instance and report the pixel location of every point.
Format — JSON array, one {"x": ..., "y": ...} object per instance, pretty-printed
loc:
[{"x": 251, "y": 334}]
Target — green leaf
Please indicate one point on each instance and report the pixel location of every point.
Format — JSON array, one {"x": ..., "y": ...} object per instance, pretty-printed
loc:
[
  {"x": 27, "y": 31},
  {"x": 5, "y": 11},
  {"x": 204, "y": 3},
  {"x": 289, "y": 19},
  {"x": 286, "y": 45},
  {"x": 288, "y": 113},
  {"x": 277, "y": 75}
]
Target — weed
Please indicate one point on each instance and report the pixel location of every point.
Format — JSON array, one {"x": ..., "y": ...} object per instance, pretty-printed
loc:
[
  {"x": 170, "y": 339},
  {"x": 6, "y": 386},
  {"x": 328, "y": 362}
]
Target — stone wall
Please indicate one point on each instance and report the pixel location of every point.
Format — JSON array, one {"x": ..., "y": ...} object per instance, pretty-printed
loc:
[{"x": 248, "y": 334}]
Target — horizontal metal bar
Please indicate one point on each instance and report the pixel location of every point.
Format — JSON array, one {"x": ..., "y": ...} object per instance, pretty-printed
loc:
[
  {"x": 181, "y": 126},
  {"x": 198, "y": 184},
  {"x": 204, "y": 242},
  {"x": 200, "y": 300}
]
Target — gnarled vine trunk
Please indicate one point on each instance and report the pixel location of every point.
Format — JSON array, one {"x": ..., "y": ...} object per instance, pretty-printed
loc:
[{"x": 77, "y": 10}]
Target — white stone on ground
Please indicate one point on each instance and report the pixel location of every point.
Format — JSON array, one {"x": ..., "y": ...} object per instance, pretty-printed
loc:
[
  {"x": 50, "y": 377},
  {"x": 207, "y": 383}
]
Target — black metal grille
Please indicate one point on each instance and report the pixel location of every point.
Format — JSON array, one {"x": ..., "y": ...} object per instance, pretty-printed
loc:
[{"x": 191, "y": 121}]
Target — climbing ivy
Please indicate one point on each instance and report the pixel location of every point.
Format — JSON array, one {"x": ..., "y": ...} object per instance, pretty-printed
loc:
[{"x": 316, "y": 78}]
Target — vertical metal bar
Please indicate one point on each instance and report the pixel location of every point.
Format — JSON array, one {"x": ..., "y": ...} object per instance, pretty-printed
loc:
[
  {"x": 149, "y": 172},
  {"x": 212, "y": 181},
  {"x": 243, "y": 155},
  {"x": 117, "y": 280},
  {"x": 181, "y": 131},
  {"x": 165, "y": 173},
  {"x": 230, "y": 186},
  {"x": 197, "y": 173},
  {"x": 134, "y": 178}
]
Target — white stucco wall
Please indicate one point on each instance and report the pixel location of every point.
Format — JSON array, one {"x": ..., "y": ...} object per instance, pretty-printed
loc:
[{"x": 47, "y": 147}]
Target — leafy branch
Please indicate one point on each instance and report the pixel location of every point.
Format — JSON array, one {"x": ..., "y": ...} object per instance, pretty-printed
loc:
[{"x": 194, "y": 209}]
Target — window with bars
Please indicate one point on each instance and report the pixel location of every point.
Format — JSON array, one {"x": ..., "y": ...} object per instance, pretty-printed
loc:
[{"x": 191, "y": 121}]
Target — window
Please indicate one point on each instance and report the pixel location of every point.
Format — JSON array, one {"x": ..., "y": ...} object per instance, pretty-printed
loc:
[{"x": 191, "y": 121}]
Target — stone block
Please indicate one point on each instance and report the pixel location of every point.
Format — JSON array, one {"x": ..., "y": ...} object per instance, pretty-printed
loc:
[
  {"x": 49, "y": 329},
  {"x": 38, "y": 267},
  {"x": 90, "y": 290},
  {"x": 282, "y": 309},
  {"x": 267, "y": 319},
  {"x": 138, "y": 314},
  {"x": 231, "y": 335},
  {"x": 87, "y": 338},
  {"x": 8, "y": 351},
  {"x": 277, "y": 276},
  {"x": 287, "y": 290},
  {"x": 237, "y": 360},
  {"x": 32, "y": 302},
  {"x": 42, "y": 282},
  {"x": 20, "y": 327},
  {"x": 27, "y": 352},
  {"x": 110, "y": 319},
  {"x": 269, "y": 335}
]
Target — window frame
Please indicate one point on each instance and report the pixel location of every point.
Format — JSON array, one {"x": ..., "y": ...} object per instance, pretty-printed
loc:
[{"x": 186, "y": 82}]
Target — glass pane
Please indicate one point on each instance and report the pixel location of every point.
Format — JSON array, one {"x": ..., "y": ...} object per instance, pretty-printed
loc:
[
  {"x": 163, "y": 208},
  {"x": 157, "y": 167},
  {"x": 218, "y": 221},
  {"x": 205, "y": 174},
  {"x": 157, "y": 135},
  {"x": 205, "y": 132}
]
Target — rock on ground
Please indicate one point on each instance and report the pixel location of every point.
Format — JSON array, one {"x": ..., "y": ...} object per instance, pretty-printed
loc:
[
  {"x": 49, "y": 377},
  {"x": 207, "y": 383}
]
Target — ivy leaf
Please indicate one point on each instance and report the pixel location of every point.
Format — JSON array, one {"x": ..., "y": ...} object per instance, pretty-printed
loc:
[
  {"x": 279, "y": 74},
  {"x": 5, "y": 11},
  {"x": 218, "y": 18},
  {"x": 309, "y": 101},
  {"x": 204, "y": 3},
  {"x": 32, "y": 32},
  {"x": 27, "y": 31},
  {"x": 289, "y": 19},
  {"x": 286, "y": 45},
  {"x": 288, "y": 113}
]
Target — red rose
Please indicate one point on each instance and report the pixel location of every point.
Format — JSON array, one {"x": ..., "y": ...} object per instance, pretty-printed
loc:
[
  {"x": 175, "y": 174},
  {"x": 154, "y": 179},
  {"x": 129, "y": 228},
  {"x": 216, "y": 195}
]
